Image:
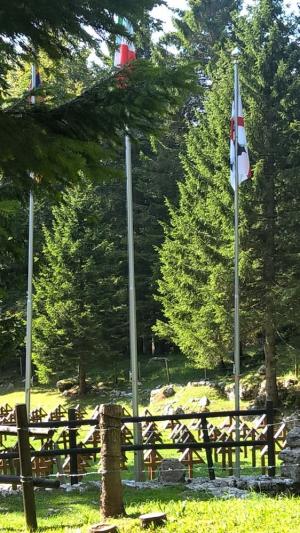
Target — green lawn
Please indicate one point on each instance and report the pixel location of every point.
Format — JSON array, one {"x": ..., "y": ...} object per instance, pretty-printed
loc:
[{"x": 186, "y": 512}]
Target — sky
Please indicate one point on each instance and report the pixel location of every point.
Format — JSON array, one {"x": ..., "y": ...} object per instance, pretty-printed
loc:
[{"x": 164, "y": 14}]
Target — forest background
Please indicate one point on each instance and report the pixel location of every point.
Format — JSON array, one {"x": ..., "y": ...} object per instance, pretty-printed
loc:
[{"x": 183, "y": 203}]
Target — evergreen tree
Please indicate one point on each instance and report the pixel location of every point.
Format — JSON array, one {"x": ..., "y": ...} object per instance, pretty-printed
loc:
[
  {"x": 196, "y": 285},
  {"x": 80, "y": 298}
]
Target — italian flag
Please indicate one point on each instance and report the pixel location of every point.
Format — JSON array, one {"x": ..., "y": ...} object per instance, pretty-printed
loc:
[{"x": 125, "y": 52}]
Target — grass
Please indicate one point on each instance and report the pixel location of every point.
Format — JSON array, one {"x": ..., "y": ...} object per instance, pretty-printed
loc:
[{"x": 186, "y": 512}]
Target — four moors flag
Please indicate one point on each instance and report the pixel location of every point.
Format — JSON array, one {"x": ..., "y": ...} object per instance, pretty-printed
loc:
[
  {"x": 126, "y": 49},
  {"x": 244, "y": 171}
]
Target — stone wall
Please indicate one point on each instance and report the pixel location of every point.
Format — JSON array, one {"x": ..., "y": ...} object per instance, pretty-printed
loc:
[{"x": 291, "y": 456}]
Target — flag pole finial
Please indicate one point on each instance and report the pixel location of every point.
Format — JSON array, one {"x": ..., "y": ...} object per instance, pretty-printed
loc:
[{"x": 235, "y": 54}]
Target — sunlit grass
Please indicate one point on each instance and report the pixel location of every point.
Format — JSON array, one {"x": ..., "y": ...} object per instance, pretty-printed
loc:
[{"x": 186, "y": 512}]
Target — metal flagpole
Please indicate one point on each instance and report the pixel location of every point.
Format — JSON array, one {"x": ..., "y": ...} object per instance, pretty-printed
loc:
[
  {"x": 138, "y": 457},
  {"x": 235, "y": 55},
  {"x": 29, "y": 282}
]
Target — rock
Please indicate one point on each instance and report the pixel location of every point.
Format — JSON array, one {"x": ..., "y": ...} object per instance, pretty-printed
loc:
[
  {"x": 293, "y": 420},
  {"x": 103, "y": 386},
  {"x": 168, "y": 391},
  {"x": 290, "y": 455},
  {"x": 204, "y": 402},
  {"x": 229, "y": 391},
  {"x": 175, "y": 410},
  {"x": 262, "y": 388},
  {"x": 291, "y": 471},
  {"x": 262, "y": 370},
  {"x": 200, "y": 383},
  {"x": 71, "y": 392},
  {"x": 293, "y": 438},
  {"x": 65, "y": 384},
  {"x": 157, "y": 395},
  {"x": 171, "y": 471},
  {"x": 290, "y": 383},
  {"x": 249, "y": 391}
]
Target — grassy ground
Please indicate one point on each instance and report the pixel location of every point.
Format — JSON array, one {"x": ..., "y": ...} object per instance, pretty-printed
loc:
[{"x": 186, "y": 512}]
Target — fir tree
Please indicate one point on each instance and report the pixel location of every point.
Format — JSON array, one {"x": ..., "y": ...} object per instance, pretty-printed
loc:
[
  {"x": 196, "y": 286},
  {"x": 79, "y": 299}
]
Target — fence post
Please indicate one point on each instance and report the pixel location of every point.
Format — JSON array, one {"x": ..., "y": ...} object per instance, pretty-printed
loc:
[
  {"x": 211, "y": 471},
  {"x": 72, "y": 444},
  {"x": 270, "y": 438},
  {"x": 110, "y": 436},
  {"x": 25, "y": 467}
]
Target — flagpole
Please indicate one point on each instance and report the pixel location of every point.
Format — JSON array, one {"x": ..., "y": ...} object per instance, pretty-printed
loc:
[
  {"x": 235, "y": 55},
  {"x": 28, "y": 370},
  {"x": 138, "y": 458}
]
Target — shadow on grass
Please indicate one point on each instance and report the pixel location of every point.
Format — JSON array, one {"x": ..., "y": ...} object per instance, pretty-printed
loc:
[{"x": 87, "y": 502}]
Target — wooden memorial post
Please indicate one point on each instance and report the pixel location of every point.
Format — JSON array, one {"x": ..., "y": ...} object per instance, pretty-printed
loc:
[
  {"x": 110, "y": 435},
  {"x": 25, "y": 467}
]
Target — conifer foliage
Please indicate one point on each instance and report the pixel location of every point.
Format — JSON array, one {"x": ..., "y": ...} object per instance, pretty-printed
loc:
[
  {"x": 196, "y": 287},
  {"x": 80, "y": 298}
]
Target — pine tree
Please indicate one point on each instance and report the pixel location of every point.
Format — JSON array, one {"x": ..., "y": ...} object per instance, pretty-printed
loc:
[
  {"x": 197, "y": 256},
  {"x": 80, "y": 299}
]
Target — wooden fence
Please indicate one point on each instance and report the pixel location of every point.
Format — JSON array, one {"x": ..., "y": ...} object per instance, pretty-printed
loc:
[{"x": 208, "y": 439}]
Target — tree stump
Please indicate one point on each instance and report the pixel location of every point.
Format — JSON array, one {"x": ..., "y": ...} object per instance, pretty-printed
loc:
[
  {"x": 110, "y": 436},
  {"x": 153, "y": 519},
  {"x": 103, "y": 528}
]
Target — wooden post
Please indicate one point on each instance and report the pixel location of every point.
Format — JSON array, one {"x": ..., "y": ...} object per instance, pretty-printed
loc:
[
  {"x": 25, "y": 467},
  {"x": 110, "y": 435},
  {"x": 270, "y": 438},
  {"x": 210, "y": 465},
  {"x": 73, "y": 444}
]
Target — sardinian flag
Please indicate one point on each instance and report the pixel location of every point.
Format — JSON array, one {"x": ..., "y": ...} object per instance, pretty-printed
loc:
[
  {"x": 126, "y": 49},
  {"x": 244, "y": 171}
]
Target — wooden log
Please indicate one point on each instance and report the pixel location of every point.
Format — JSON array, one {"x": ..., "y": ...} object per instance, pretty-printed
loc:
[
  {"x": 72, "y": 442},
  {"x": 110, "y": 432},
  {"x": 37, "y": 482},
  {"x": 103, "y": 528},
  {"x": 25, "y": 467},
  {"x": 153, "y": 519},
  {"x": 270, "y": 438}
]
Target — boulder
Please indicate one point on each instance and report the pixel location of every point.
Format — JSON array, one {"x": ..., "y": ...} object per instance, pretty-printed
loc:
[
  {"x": 262, "y": 370},
  {"x": 291, "y": 456},
  {"x": 249, "y": 391},
  {"x": 171, "y": 471},
  {"x": 70, "y": 393},
  {"x": 204, "y": 402},
  {"x": 175, "y": 410},
  {"x": 229, "y": 391},
  {"x": 168, "y": 391},
  {"x": 157, "y": 395},
  {"x": 9, "y": 387},
  {"x": 200, "y": 383},
  {"x": 65, "y": 384},
  {"x": 293, "y": 438},
  {"x": 288, "y": 383}
]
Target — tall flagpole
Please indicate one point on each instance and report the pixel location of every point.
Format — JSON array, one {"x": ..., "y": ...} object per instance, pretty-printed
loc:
[
  {"x": 29, "y": 279},
  {"x": 138, "y": 458},
  {"x": 235, "y": 55}
]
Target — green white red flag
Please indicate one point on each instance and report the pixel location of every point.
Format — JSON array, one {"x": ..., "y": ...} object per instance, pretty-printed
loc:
[{"x": 125, "y": 52}]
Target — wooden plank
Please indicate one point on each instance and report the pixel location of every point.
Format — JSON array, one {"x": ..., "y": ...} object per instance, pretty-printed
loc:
[{"x": 25, "y": 467}]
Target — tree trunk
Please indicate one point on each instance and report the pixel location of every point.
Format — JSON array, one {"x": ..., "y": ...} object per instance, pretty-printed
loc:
[
  {"x": 270, "y": 362},
  {"x": 269, "y": 264},
  {"x": 82, "y": 376}
]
